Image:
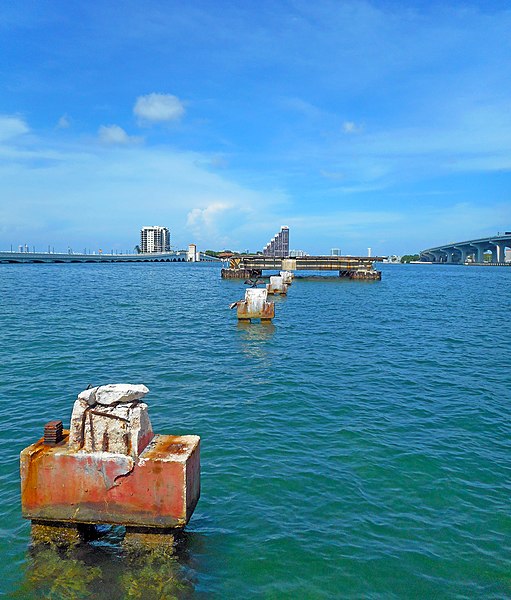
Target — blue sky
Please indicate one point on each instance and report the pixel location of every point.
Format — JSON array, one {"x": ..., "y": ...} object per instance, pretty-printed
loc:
[{"x": 381, "y": 124}]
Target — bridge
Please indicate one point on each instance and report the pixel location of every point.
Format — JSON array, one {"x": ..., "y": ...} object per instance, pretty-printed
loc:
[
  {"x": 55, "y": 257},
  {"x": 459, "y": 252},
  {"x": 354, "y": 267}
]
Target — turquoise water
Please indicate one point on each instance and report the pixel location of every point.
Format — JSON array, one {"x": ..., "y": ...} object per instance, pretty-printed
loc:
[{"x": 358, "y": 448}]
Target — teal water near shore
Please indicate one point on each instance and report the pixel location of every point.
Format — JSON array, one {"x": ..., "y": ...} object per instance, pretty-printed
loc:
[{"x": 360, "y": 447}]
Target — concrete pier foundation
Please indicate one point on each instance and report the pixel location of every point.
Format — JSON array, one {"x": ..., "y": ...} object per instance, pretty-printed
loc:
[{"x": 110, "y": 468}]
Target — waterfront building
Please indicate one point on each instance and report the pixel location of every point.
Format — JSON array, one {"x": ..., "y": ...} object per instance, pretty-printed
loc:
[
  {"x": 279, "y": 244},
  {"x": 154, "y": 239}
]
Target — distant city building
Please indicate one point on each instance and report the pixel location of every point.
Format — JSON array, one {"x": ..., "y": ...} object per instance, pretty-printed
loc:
[
  {"x": 297, "y": 253},
  {"x": 154, "y": 239},
  {"x": 335, "y": 252},
  {"x": 279, "y": 244}
]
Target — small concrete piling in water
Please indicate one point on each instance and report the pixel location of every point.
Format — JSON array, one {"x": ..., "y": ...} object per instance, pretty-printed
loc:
[
  {"x": 287, "y": 277},
  {"x": 109, "y": 468},
  {"x": 276, "y": 286},
  {"x": 255, "y": 306}
]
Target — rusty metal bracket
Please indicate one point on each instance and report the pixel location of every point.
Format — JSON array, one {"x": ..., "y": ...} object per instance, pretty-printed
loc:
[{"x": 53, "y": 433}]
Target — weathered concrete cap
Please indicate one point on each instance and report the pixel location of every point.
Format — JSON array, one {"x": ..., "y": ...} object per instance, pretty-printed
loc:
[{"x": 113, "y": 393}]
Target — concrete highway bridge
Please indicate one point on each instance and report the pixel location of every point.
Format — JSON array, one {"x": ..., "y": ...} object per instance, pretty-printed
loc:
[
  {"x": 56, "y": 257},
  {"x": 459, "y": 252}
]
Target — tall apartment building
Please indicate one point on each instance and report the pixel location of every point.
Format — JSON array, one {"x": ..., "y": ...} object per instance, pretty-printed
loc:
[
  {"x": 154, "y": 239},
  {"x": 279, "y": 244}
]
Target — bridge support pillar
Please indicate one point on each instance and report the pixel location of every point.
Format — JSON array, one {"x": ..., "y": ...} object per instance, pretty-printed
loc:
[
  {"x": 480, "y": 250},
  {"x": 465, "y": 251},
  {"x": 501, "y": 246}
]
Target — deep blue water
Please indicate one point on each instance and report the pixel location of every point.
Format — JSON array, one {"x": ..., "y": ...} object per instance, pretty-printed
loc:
[{"x": 360, "y": 447}]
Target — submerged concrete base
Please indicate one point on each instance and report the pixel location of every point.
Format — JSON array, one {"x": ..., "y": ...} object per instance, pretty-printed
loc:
[
  {"x": 62, "y": 534},
  {"x": 139, "y": 539}
]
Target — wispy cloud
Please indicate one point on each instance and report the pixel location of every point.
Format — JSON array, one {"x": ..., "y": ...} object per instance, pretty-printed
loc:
[
  {"x": 12, "y": 126},
  {"x": 113, "y": 134},
  {"x": 351, "y": 127},
  {"x": 158, "y": 108},
  {"x": 64, "y": 122}
]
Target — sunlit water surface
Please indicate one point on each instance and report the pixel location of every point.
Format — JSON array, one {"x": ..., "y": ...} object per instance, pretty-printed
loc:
[{"x": 357, "y": 448}]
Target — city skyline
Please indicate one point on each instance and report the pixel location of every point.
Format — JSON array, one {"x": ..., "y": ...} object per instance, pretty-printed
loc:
[{"x": 381, "y": 124}]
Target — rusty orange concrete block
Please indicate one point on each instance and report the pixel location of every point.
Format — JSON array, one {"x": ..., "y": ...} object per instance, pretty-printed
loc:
[{"x": 159, "y": 488}]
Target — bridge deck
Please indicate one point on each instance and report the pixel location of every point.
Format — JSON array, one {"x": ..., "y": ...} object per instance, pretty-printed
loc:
[
  {"x": 51, "y": 257},
  {"x": 304, "y": 263},
  {"x": 457, "y": 252}
]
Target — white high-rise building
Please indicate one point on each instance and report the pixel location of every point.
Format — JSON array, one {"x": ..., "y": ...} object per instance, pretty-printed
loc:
[{"x": 154, "y": 239}]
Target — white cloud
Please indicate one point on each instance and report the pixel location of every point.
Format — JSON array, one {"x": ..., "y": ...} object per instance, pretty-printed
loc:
[
  {"x": 205, "y": 217},
  {"x": 158, "y": 108},
  {"x": 113, "y": 134},
  {"x": 12, "y": 126},
  {"x": 351, "y": 127},
  {"x": 64, "y": 122}
]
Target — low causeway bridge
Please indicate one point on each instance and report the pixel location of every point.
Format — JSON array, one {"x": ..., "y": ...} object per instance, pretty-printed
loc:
[
  {"x": 56, "y": 257},
  {"x": 459, "y": 252},
  {"x": 252, "y": 265}
]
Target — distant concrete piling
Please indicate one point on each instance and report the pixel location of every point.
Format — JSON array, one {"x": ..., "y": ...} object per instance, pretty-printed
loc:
[
  {"x": 109, "y": 468},
  {"x": 287, "y": 277},
  {"x": 276, "y": 286},
  {"x": 255, "y": 306}
]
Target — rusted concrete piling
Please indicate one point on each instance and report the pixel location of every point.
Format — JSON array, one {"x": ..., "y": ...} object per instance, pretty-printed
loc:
[
  {"x": 276, "y": 286},
  {"x": 109, "y": 468},
  {"x": 241, "y": 273},
  {"x": 255, "y": 306}
]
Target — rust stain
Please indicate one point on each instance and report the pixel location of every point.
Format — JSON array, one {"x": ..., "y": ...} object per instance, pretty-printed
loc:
[{"x": 165, "y": 445}]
